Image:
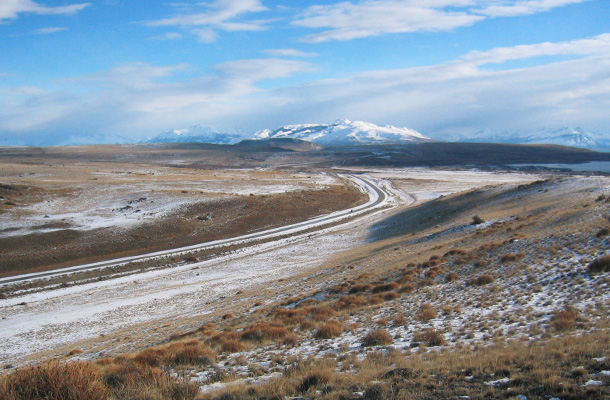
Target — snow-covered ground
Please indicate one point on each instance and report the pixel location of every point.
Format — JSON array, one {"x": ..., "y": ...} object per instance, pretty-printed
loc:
[
  {"x": 108, "y": 199},
  {"x": 47, "y": 323}
]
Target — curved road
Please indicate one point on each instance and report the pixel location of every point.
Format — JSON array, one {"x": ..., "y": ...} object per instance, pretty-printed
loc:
[{"x": 377, "y": 197}]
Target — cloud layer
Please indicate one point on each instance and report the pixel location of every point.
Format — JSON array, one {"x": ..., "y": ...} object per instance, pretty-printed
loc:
[
  {"x": 353, "y": 20},
  {"x": 139, "y": 99},
  {"x": 204, "y": 19}
]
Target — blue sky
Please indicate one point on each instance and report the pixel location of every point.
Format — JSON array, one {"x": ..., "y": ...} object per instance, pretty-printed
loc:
[{"x": 443, "y": 67}]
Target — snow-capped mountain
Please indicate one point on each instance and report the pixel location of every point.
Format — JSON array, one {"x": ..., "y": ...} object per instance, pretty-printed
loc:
[
  {"x": 345, "y": 132},
  {"x": 573, "y": 137},
  {"x": 197, "y": 134}
]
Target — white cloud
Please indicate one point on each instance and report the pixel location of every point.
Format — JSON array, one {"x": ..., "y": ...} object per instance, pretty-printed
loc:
[
  {"x": 168, "y": 36},
  {"x": 359, "y": 19},
  {"x": 204, "y": 19},
  {"x": 513, "y": 8},
  {"x": 290, "y": 53},
  {"x": 375, "y": 17},
  {"x": 10, "y": 9},
  {"x": 138, "y": 99},
  {"x": 598, "y": 45},
  {"x": 49, "y": 30},
  {"x": 459, "y": 96}
]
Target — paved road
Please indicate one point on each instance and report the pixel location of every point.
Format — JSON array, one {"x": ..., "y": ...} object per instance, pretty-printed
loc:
[{"x": 377, "y": 197}]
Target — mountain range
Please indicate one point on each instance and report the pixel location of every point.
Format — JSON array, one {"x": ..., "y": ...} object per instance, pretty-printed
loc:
[
  {"x": 197, "y": 134},
  {"x": 565, "y": 136},
  {"x": 339, "y": 133}
]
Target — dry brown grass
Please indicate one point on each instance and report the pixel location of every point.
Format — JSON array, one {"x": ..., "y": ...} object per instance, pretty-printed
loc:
[
  {"x": 426, "y": 312},
  {"x": 507, "y": 258},
  {"x": 481, "y": 280},
  {"x": 329, "y": 330},
  {"x": 377, "y": 337},
  {"x": 566, "y": 319},
  {"x": 430, "y": 337},
  {"x": 54, "y": 381},
  {"x": 350, "y": 302},
  {"x": 385, "y": 287},
  {"x": 109, "y": 379},
  {"x": 262, "y": 332},
  {"x": 232, "y": 346}
]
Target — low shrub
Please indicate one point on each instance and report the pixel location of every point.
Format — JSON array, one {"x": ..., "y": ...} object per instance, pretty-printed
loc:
[
  {"x": 476, "y": 220},
  {"x": 601, "y": 264},
  {"x": 377, "y": 337},
  {"x": 602, "y": 233}
]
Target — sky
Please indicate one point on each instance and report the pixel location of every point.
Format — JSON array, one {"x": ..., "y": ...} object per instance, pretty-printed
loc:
[{"x": 130, "y": 69}]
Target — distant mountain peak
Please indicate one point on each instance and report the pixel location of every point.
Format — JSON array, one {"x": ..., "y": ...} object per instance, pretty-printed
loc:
[
  {"x": 196, "y": 134},
  {"x": 345, "y": 132}
]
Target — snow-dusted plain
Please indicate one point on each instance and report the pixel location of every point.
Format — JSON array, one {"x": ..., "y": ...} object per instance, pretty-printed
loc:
[{"x": 124, "y": 313}]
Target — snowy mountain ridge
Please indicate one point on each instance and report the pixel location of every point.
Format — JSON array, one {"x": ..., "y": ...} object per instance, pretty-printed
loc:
[
  {"x": 345, "y": 132},
  {"x": 565, "y": 136}
]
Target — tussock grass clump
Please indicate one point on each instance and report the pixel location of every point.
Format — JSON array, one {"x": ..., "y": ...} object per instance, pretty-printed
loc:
[
  {"x": 430, "y": 337},
  {"x": 360, "y": 288},
  {"x": 506, "y": 258},
  {"x": 348, "y": 302},
  {"x": 232, "y": 346},
  {"x": 385, "y": 287},
  {"x": 190, "y": 353},
  {"x": 329, "y": 330},
  {"x": 481, "y": 280},
  {"x": 54, "y": 381},
  {"x": 377, "y": 337},
  {"x": 566, "y": 319},
  {"x": 262, "y": 331},
  {"x": 601, "y": 264},
  {"x": 313, "y": 381},
  {"x": 426, "y": 312},
  {"x": 407, "y": 288},
  {"x": 451, "y": 277},
  {"x": 455, "y": 252}
]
